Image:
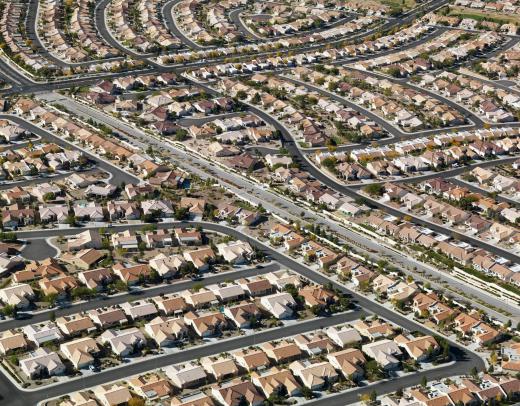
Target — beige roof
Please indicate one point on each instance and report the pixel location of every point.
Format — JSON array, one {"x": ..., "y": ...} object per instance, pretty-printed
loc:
[{"x": 12, "y": 340}]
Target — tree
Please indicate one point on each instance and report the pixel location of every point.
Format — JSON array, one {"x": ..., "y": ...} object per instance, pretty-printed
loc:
[
  {"x": 9, "y": 310},
  {"x": 474, "y": 373},
  {"x": 48, "y": 196},
  {"x": 365, "y": 398},
  {"x": 307, "y": 392},
  {"x": 51, "y": 298},
  {"x": 424, "y": 381},
  {"x": 493, "y": 358},
  {"x": 374, "y": 189},
  {"x": 71, "y": 220},
  {"x": 136, "y": 402},
  {"x": 52, "y": 316}
]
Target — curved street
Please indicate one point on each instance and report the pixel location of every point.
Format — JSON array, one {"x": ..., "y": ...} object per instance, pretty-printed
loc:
[{"x": 465, "y": 359}]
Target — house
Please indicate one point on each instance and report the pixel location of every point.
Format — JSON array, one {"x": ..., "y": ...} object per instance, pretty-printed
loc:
[
  {"x": 280, "y": 305},
  {"x": 243, "y": 314},
  {"x": 317, "y": 296},
  {"x": 151, "y": 387},
  {"x": 349, "y": 362},
  {"x": 418, "y": 348},
  {"x": 227, "y": 292},
  {"x": 86, "y": 239},
  {"x": 167, "y": 266},
  {"x": 251, "y": 359},
  {"x": 314, "y": 375},
  {"x": 42, "y": 333},
  {"x": 125, "y": 240},
  {"x": 220, "y": 367},
  {"x": 343, "y": 336},
  {"x": 170, "y": 304},
  {"x": 112, "y": 394},
  {"x": 206, "y": 324},
  {"x": 313, "y": 344},
  {"x": 200, "y": 298},
  {"x": 158, "y": 239},
  {"x": 132, "y": 275},
  {"x": 197, "y": 399},
  {"x": 237, "y": 393},
  {"x": 385, "y": 352},
  {"x": 281, "y": 278},
  {"x": 123, "y": 342},
  {"x": 54, "y": 213},
  {"x": 422, "y": 302},
  {"x": 166, "y": 331},
  {"x": 108, "y": 317},
  {"x": 187, "y": 375},
  {"x": 83, "y": 259},
  {"x": 59, "y": 286},
  {"x": 139, "y": 309},
  {"x": 18, "y": 295},
  {"x": 12, "y": 341},
  {"x": 75, "y": 324},
  {"x": 96, "y": 279},
  {"x": 373, "y": 330},
  {"x": 195, "y": 207},
  {"x": 188, "y": 236},
  {"x": 79, "y": 399},
  {"x": 282, "y": 351},
  {"x": 89, "y": 211},
  {"x": 236, "y": 252},
  {"x": 276, "y": 381},
  {"x": 157, "y": 208},
  {"x": 200, "y": 258},
  {"x": 42, "y": 363},
  {"x": 256, "y": 287},
  {"x": 80, "y": 352}
]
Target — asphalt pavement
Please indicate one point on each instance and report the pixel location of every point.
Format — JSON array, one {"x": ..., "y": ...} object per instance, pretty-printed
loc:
[
  {"x": 37, "y": 250},
  {"x": 119, "y": 176},
  {"x": 106, "y": 301},
  {"x": 290, "y": 209}
]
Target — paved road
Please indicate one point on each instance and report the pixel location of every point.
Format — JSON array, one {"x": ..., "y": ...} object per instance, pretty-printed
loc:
[
  {"x": 289, "y": 209},
  {"x": 235, "y": 18},
  {"x": 31, "y": 26},
  {"x": 105, "y": 33},
  {"x": 171, "y": 24},
  {"x": 176, "y": 286},
  {"x": 465, "y": 358},
  {"x": 306, "y": 165},
  {"x": 118, "y": 175},
  {"x": 462, "y": 367},
  {"x": 394, "y": 130},
  {"x": 461, "y": 109},
  {"x": 23, "y": 84},
  {"x": 444, "y": 174},
  {"x": 37, "y": 181},
  {"x": 15, "y": 397}
]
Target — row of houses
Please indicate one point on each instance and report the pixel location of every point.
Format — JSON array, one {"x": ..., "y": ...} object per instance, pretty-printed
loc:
[
  {"x": 461, "y": 253},
  {"x": 460, "y": 146},
  {"x": 389, "y": 41},
  {"x": 146, "y": 37},
  {"x": 425, "y": 304},
  {"x": 494, "y": 104},
  {"x": 404, "y": 106},
  {"x": 463, "y": 390},
  {"x": 142, "y": 164},
  {"x": 283, "y": 366}
]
